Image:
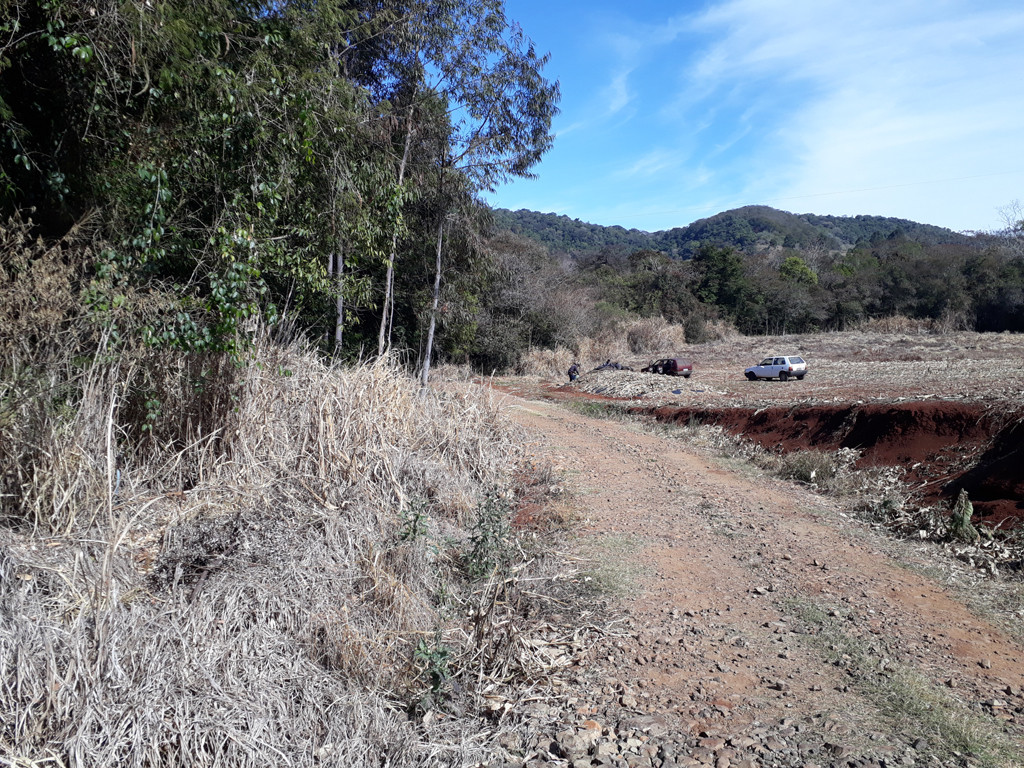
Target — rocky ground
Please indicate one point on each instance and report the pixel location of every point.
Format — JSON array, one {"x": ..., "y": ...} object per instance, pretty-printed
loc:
[{"x": 755, "y": 623}]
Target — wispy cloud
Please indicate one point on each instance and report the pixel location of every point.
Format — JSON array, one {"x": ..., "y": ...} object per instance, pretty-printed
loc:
[
  {"x": 651, "y": 164},
  {"x": 570, "y": 128},
  {"x": 879, "y": 96},
  {"x": 617, "y": 94}
]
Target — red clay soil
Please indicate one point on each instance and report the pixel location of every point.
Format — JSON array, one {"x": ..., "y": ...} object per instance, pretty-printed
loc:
[{"x": 944, "y": 445}]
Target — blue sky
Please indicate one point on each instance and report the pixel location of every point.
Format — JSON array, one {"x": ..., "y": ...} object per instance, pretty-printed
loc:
[{"x": 674, "y": 111}]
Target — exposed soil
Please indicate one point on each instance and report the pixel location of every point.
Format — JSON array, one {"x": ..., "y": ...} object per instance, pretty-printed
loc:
[
  {"x": 762, "y": 624},
  {"x": 765, "y": 627},
  {"x": 942, "y": 445}
]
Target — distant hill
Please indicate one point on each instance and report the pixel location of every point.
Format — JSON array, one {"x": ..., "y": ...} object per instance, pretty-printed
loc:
[
  {"x": 749, "y": 229},
  {"x": 564, "y": 235}
]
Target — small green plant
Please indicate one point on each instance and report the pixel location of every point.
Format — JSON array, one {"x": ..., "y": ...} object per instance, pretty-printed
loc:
[
  {"x": 414, "y": 520},
  {"x": 596, "y": 410},
  {"x": 490, "y": 547},
  {"x": 154, "y": 410},
  {"x": 433, "y": 659},
  {"x": 960, "y": 527},
  {"x": 907, "y": 699}
]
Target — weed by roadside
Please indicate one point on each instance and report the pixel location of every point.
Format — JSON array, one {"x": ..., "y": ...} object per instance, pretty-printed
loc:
[{"x": 597, "y": 410}]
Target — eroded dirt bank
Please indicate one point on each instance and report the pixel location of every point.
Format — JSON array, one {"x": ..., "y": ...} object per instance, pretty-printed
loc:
[{"x": 944, "y": 446}]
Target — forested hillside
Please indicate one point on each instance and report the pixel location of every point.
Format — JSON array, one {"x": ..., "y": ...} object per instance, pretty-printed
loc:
[
  {"x": 761, "y": 271},
  {"x": 748, "y": 229}
]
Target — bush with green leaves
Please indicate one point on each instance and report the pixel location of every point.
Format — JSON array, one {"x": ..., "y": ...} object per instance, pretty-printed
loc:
[{"x": 490, "y": 543}]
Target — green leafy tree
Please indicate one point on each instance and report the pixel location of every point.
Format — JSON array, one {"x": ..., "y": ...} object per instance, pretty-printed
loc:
[
  {"x": 500, "y": 109},
  {"x": 721, "y": 279},
  {"x": 795, "y": 270}
]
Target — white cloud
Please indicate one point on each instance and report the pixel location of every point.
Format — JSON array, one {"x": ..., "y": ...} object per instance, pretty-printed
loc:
[
  {"x": 651, "y": 164},
  {"x": 911, "y": 108},
  {"x": 617, "y": 93}
]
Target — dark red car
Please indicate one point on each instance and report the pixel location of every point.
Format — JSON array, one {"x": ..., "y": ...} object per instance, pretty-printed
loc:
[{"x": 670, "y": 366}]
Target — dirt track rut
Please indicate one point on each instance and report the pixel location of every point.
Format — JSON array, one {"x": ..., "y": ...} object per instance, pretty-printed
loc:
[{"x": 759, "y": 602}]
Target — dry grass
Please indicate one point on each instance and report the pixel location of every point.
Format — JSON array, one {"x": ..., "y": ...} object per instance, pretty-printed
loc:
[
  {"x": 210, "y": 564},
  {"x": 910, "y": 325},
  {"x": 272, "y": 611},
  {"x": 629, "y": 342}
]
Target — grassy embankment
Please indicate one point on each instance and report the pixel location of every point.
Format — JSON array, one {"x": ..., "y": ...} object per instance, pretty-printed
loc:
[{"x": 282, "y": 561}]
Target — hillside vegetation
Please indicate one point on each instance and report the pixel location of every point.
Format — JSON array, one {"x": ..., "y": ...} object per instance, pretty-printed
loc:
[
  {"x": 760, "y": 271},
  {"x": 277, "y": 559},
  {"x": 233, "y": 529},
  {"x": 747, "y": 228}
]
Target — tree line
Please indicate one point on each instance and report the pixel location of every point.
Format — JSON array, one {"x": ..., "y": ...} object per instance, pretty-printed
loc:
[
  {"x": 317, "y": 166},
  {"x": 240, "y": 163},
  {"x": 762, "y": 271}
]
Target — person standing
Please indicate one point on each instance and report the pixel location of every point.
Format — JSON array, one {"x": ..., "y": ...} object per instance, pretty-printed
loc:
[{"x": 574, "y": 371}]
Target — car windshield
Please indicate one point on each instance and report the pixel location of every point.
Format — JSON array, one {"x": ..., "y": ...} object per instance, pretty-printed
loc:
[
  {"x": 796, "y": 359},
  {"x": 766, "y": 361}
]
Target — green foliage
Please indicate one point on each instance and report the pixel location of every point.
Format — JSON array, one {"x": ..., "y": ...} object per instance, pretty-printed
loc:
[
  {"x": 560, "y": 234},
  {"x": 747, "y": 229},
  {"x": 490, "y": 543},
  {"x": 695, "y": 329},
  {"x": 796, "y": 270},
  {"x": 415, "y": 521},
  {"x": 434, "y": 659},
  {"x": 721, "y": 278},
  {"x": 769, "y": 271},
  {"x": 960, "y": 527},
  {"x": 245, "y": 159}
]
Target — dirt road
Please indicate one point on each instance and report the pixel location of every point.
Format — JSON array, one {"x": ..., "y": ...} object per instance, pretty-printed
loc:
[{"x": 762, "y": 626}]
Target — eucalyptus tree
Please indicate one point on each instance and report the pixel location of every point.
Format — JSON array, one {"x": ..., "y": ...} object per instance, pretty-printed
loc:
[
  {"x": 500, "y": 109},
  {"x": 497, "y": 106}
]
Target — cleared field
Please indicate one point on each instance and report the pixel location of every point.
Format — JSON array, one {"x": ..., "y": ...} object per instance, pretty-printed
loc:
[
  {"x": 843, "y": 368},
  {"x": 949, "y": 409}
]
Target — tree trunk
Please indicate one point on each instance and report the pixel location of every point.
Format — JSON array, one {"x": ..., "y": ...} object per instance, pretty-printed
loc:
[
  {"x": 340, "y": 303},
  {"x": 330, "y": 277},
  {"x": 387, "y": 310},
  {"x": 433, "y": 309}
]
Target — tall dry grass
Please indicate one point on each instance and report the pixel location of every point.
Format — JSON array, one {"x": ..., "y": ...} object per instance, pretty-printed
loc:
[
  {"x": 630, "y": 342},
  {"x": 949, "y": 323},
  {"x": 205, "y": 563},
  {"x": 269, "y": 612}
]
